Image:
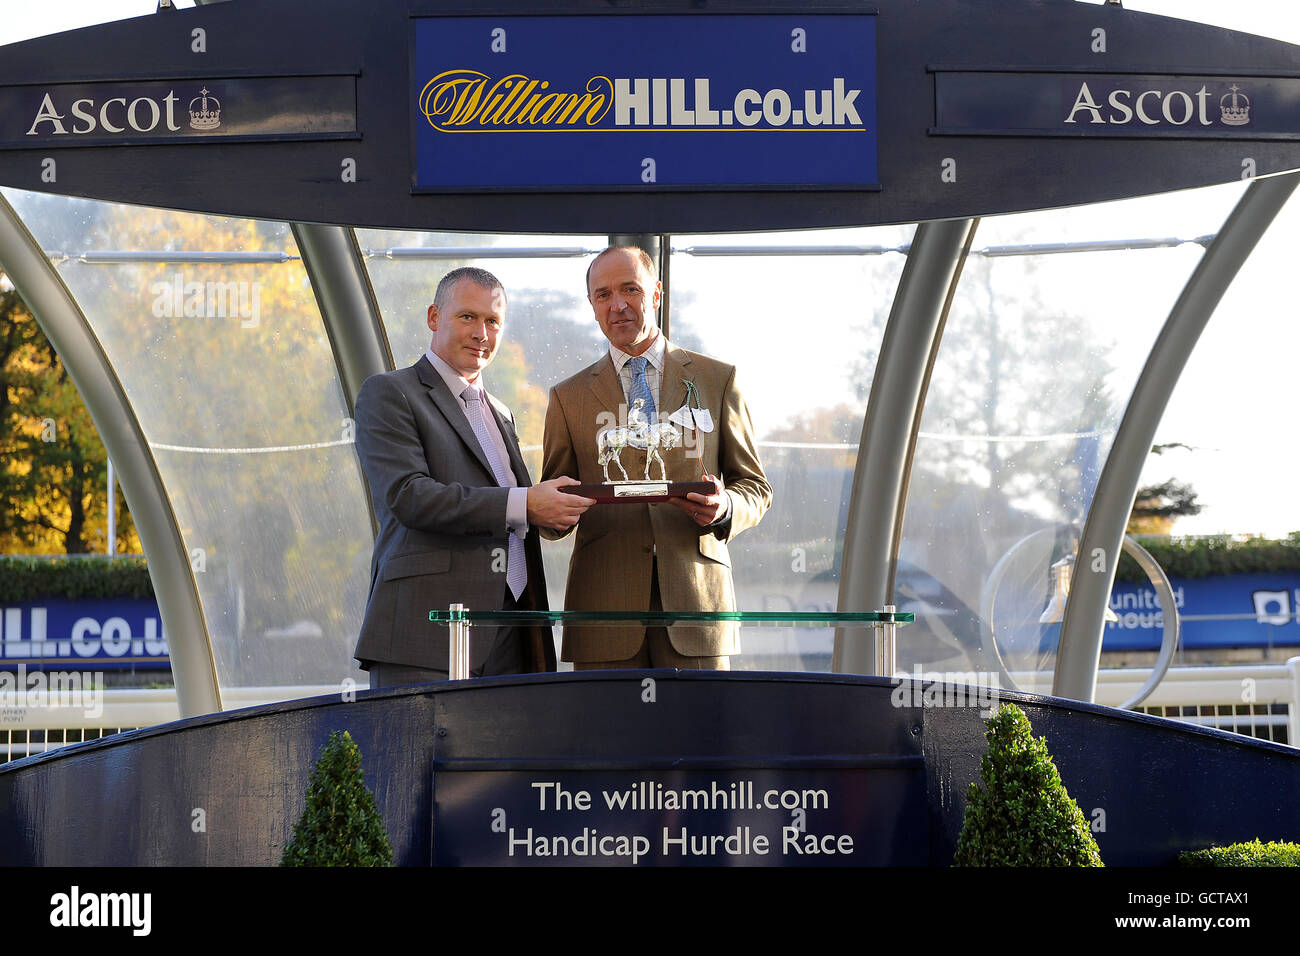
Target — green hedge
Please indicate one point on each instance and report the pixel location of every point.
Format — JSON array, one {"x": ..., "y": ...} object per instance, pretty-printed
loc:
[
  {"x": 1253, "y": 853},
  {"x": 1204, "y": 557},
  {"x": 31, "y": 579}
]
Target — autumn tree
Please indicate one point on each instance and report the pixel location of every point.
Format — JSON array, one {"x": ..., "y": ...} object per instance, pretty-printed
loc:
[
  {"x": 53, "y": 480},
  {"x": 1157, "y": 506},
  {"x": 213, "y": 333},
  {"x": 1012, "y": 368},
  {"x": 1011, "y": 441}
]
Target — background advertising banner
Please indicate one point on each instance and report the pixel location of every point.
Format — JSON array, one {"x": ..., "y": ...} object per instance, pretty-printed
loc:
[
  {"x": 1239, "y": 610},
  {"x": 637, "y": 102},
  {"x": 111, "y": 632}
]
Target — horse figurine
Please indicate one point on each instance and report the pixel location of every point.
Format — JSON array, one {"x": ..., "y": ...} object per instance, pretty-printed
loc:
[{"x": 639, "y": 433}]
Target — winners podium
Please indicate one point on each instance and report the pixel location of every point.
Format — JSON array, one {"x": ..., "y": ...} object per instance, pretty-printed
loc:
[
  {"x": 676, "y": 768},
  {"x": 640, "y": 769}
]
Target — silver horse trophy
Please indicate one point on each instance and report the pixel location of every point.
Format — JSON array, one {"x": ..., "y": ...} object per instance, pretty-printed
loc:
[{"x": 639, "y": 433}]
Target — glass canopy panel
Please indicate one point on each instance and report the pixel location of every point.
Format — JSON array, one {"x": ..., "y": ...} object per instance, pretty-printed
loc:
[
  {"x": 801, "y": 315},
  {"x": 1231, "y": 415},
  {"x": 229, "y": 370},
  {"x": 1055, "y": 315}
]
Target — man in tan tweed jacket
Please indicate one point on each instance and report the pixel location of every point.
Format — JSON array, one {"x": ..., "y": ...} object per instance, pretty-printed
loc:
[{"x": 637, "y": 556}]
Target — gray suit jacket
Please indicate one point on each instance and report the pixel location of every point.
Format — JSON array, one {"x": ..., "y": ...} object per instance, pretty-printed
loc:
[{"x": 442, "y": 520}]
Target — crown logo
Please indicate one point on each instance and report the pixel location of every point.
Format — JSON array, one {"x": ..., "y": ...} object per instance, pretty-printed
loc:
[
  {"x": 208, "y": 114},
  {"x": 1234, "y": 107}
]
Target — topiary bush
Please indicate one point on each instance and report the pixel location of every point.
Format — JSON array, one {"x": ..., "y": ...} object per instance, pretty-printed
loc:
[
  {"x": 1253, "y": 853},
  {"x": 340, "y": 826},
  {"x": 1023, "y": 815}
]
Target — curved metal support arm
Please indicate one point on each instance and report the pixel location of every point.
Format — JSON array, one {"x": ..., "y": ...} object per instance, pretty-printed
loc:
[
  {"x": 1081, "y": 632},
  {"x": 347, "y": 303},
  {"x": 349, "y": 310},
  {"x": 889, "y": 427},
  {"x": 64, "y": 324}
]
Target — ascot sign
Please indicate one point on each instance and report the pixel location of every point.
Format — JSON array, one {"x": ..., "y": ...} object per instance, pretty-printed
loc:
[
  {"x": 116, "y": 113},
  {"x": 1176, "y": 107},
  {"x": 206, "y": 116},
  {"x": 1129, "y": 106}
]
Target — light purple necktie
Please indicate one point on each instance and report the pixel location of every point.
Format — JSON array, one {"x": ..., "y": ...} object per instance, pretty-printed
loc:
[{"x": 516, "y": 564}]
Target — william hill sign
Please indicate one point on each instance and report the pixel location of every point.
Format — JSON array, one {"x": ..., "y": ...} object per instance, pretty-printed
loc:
[{"x": 630, "y": 102}]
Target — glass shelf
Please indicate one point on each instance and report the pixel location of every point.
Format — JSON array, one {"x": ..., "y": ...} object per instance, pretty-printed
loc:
[{"x": 751, "y": 618}]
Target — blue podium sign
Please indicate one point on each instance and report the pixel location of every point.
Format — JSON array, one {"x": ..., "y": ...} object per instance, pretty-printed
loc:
[
  {"x": 726, "y": 816},
  {"x": 637, "y": 102}
]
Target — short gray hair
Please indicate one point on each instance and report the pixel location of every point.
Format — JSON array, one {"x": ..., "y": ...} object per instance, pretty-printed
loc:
[{"x": 480, "y": 277}]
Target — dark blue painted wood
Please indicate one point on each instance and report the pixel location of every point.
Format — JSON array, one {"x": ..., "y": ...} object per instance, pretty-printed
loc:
[{"x": 130, "y": 799}]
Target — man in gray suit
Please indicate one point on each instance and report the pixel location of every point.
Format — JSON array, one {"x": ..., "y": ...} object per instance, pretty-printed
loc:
[{"x": 458, "y": 514}]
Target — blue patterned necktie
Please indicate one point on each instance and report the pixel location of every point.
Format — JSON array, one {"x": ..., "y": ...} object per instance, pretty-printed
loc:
[
  {"x": 516, "y": 564},
  {"x": 641, "y": 388}
]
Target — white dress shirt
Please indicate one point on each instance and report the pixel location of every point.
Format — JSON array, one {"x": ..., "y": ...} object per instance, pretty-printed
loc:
[{"x": 654, "y": 368}]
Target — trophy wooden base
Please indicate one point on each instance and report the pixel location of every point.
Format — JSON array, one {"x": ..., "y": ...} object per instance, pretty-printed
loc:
[{"x": 640, "y": 492}]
